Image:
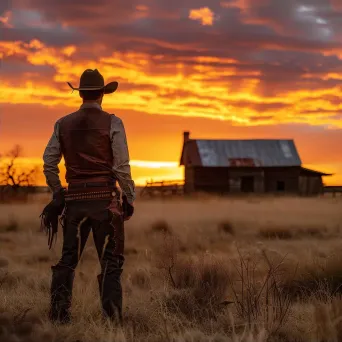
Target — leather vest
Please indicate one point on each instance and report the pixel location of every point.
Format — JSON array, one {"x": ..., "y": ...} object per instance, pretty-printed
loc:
[{"x": 86, "y": 146}]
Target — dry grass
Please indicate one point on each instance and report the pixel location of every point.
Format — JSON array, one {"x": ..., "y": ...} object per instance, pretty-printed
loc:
[
  {"x": 11, "y": 225},
  {"x": 293, "y": 232},
  {"x": 204, "y": 269}
]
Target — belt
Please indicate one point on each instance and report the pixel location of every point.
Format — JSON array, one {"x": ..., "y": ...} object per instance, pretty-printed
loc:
[
  {"x": 90, "y": 185},
  {"x": 90, "y": 195},
  {"x": 88, "y": 192}
]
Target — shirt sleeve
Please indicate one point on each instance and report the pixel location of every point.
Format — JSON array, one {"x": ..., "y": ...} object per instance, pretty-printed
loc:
[
  {"x": 52, "y": 157},
  {"x": 121, "y": 166}
]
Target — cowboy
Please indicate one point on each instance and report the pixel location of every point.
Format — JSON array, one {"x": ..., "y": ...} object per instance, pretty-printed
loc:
[{"x": 93, "y": 144}]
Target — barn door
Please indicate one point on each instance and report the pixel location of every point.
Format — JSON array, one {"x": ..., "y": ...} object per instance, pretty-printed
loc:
[{"x": 247, "y": 184}]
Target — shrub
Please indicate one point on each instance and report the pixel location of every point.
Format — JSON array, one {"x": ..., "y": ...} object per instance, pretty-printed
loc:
[
  {"x": 226, "y": 227},
  {"x": 161, "y": 227},
  {"x": 10, "y": 226}
]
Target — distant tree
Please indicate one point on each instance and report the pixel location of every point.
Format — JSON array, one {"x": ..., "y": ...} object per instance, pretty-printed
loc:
[{"x": 11, "y": 174}]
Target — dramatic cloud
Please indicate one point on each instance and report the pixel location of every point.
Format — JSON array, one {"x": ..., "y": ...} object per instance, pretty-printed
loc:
[
  {"x": 210, "y": 87},
  {"x": 204, "y": 15}
]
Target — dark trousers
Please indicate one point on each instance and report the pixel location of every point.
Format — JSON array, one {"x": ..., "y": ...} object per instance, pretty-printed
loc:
[{"x": 104, "y": 218}]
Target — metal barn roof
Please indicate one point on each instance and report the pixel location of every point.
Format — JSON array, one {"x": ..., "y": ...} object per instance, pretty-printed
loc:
[{"x": 258, "y": 152}]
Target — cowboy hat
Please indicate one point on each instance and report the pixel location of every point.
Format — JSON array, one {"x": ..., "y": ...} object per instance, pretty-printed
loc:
[{"x": 93, "y": 80}]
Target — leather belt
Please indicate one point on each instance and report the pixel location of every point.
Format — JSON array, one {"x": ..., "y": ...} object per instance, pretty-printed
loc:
[
  {"x": 91, "y": 185},
  {"x": 90, "y": 195}
]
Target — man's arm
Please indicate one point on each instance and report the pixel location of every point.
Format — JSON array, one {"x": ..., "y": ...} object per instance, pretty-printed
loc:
[
  {"x": 121, "y": 166},
  {"x": 52, "y": 157}
]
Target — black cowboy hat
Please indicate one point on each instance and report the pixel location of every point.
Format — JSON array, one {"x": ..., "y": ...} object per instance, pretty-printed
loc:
[{"x": 93, "y": 80}]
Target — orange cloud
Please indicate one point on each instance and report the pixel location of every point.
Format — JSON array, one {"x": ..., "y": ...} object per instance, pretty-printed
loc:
[
  {"x": 141, "y": 11},
  {"x": 5, "y": 19},
  {"x": 201, "y": 87},
  {"x": 204, "y": 15}
]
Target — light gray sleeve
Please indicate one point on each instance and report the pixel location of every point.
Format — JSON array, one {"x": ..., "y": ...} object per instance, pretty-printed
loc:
[
  {"x": 52, "y": 157},
  {"x": 121, "y": 166}
]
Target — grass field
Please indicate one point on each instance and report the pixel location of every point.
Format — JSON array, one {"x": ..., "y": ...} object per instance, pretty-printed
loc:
[{"x": 196, "y": 270}]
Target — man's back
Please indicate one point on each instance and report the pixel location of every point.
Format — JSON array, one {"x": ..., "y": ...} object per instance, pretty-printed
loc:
[
  {"x": 86, "y": 145},
  {"x": 94, "y": 147}
]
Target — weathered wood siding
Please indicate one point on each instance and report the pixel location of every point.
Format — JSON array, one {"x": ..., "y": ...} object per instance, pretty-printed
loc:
[
  {"x": 189, "y": 179},
  {"x": 221, "y": 180},
  {"x": 284, "y": 180},
  {"x": 211, "y": 179},
  {"x": 227, "y": 180},
  {"x": 310, "y": 185},
  {"x": 247, "y": 180}
]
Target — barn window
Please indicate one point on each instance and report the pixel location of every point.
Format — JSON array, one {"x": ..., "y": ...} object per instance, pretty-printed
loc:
[{"x": 280, "y": 186}]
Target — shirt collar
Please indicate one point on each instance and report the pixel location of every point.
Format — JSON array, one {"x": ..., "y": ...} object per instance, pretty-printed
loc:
[{"x": 91, "y": 105}]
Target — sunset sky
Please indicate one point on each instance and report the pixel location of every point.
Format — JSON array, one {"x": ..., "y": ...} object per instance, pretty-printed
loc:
[{"x": 220, "y": 69}]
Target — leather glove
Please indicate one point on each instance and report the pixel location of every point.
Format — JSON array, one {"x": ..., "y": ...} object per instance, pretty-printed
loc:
[
  {"x": 50, "y": 214},
  {"x": 128, "y": 209}
]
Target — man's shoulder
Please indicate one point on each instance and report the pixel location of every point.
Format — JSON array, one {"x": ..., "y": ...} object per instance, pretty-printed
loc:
[
  {"x": 70, "y": 115},
  {"x": 115, "y": 119},
  {"x": 116, "y": 124}
]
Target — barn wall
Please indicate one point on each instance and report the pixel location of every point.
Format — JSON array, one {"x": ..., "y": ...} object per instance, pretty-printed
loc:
[
  {"x": 232, "y": 180},
  {"x": 317, "y": 186},
  {"x": 211, "y": 179},
  {"x": 310, "y": 185},
  {"x": 249, "y": 179},
  {"x": 282, "y": 180},
  {"x": 303, "y": 185},
  {"x": 189, "y": 183},
  {"x": 246, "y": 180}
]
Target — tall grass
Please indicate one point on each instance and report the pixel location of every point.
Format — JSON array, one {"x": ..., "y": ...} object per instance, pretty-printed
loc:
[{"x": 195, "y": 270}]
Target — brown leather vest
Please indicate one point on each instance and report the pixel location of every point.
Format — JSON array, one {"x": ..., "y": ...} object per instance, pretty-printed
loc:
[{"x": 86, "y": 146}]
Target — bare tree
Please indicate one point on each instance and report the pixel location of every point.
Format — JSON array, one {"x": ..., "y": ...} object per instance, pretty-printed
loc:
[{"x": 14, "y": 176}]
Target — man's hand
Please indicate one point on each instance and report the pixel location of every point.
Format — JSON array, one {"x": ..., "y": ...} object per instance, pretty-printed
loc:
[
  {"x": 128, "y": 208},
  {"x": 50, "y": 214}
]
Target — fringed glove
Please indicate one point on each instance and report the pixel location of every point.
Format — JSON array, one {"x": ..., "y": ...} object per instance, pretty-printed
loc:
[{"x": 50, "y": 214}]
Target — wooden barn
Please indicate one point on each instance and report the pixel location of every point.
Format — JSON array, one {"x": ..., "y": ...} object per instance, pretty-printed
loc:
[{"x": 247, "y": 166}]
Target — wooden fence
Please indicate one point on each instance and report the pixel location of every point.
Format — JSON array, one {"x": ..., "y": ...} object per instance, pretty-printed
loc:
[
  {"x": 333, "y": 189},
  {"x": 162, "y": 188}
]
